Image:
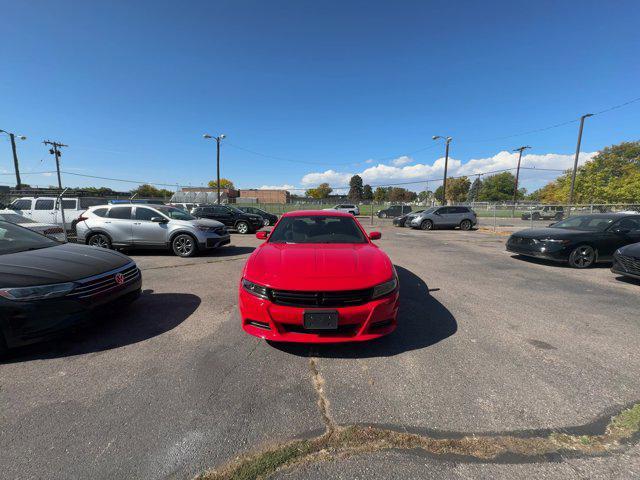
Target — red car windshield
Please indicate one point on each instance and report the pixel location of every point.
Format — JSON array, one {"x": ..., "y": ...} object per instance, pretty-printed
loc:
[{"x": 317, "y": 229}]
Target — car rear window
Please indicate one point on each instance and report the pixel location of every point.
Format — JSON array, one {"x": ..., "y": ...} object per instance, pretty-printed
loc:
[
  {"x": 317, "y": 229},
  {"x": 100, "y": 212},
  {"x": 123, "y": 213}
]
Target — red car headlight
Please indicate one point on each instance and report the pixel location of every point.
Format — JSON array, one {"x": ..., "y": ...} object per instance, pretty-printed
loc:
[
  {"x": 255, "y": 289},
  {"x": 385, "y": 288}
]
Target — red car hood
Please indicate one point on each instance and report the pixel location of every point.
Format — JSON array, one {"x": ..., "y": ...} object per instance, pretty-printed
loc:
[{"x": 318, "y": 267}]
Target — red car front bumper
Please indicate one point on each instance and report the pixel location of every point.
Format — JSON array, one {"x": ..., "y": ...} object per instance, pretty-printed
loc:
[{"x": 280, "y": 323}]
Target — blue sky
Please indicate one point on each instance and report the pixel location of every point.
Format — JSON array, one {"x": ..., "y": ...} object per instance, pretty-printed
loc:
[{"x": 335, "y": 86}]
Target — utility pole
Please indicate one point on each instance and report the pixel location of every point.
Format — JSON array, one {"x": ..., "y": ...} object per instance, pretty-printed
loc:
[
  {"x": 575, "y": 161},
  {"x": 55, "y": 150},
  {"x": 515, "y": 188},
  {"x": 446, "y": 164},
  {"x": 12, "y": 137},
  {"x": 218, "y": 139}
]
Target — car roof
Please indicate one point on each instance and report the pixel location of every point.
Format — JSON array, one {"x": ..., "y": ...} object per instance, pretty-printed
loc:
[
  {"x": 607, "y": 215},
  {"x": 317, "y": 213}
]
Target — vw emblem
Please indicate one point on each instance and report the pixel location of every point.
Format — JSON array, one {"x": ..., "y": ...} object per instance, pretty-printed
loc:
[{"x": 119, "y": 278}]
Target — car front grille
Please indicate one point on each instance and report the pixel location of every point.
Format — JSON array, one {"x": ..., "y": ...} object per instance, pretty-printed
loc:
[
  {"x": 513, "y": 240},
  {"x": 106, "y": 282},
  {"x": 220, "y": 231},
  {"x": 630, "y": 264},
  {"x": 345, "y": 298}
]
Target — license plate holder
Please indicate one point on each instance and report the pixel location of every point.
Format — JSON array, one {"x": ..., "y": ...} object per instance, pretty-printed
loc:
[{"x": 320, "y": 320}]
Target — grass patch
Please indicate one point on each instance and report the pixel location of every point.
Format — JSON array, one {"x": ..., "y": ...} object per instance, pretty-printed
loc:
[{"x": 352, "y": 440}]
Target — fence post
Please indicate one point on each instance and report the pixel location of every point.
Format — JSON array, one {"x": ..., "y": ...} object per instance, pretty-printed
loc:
[{"x": 494, "y": 219}]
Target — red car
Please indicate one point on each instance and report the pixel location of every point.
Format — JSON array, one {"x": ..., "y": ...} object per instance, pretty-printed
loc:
[{"x": 318, "y": 278}]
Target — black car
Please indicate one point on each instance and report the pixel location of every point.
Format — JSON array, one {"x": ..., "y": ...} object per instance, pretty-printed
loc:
[
  {"x": 47, "y": 286},
  {"x": 394, "y": 211},
  {"x": 581, "y": 241},
  {"x": 267, "y": 218},
  {"x": 403, "y": 220},
  {"x": 626, "y": 261},
  {"x": 241, "y": 221}
]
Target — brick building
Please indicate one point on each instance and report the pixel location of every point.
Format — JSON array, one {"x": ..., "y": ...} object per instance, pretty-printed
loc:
[{"x": 266, "y": 196}]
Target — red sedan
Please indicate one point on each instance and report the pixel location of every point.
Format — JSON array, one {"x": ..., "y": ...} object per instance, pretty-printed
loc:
[{"x": 318, "y": 278}]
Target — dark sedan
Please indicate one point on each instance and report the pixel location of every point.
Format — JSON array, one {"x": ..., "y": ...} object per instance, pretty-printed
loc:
[
  {"x": 268, "y": 218},
  {"x": 47, "y": 286},
  {"x": 405, "y": 220},
  {"x": 626, "y": 261},
  {"x": 580, "y": 241}
]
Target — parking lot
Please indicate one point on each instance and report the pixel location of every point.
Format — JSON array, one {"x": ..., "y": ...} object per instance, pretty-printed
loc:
[{"x": 487, "y": 344}]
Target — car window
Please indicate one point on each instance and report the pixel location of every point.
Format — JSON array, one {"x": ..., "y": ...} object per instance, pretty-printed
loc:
[
  {"x": 100, "y": 212},
  {"x": 174, "y": 213},
  {"x": 21, "y": 205},
  {"x": 18, "y": 239},
  {"x": 44, "y": 205},
  {"x": 69, "y": 204},
  {"x": 317, "y": 229},
  {"x": 123, "y": 213},
  {"x": 585, "y": 222},
  {"x": 145, "y": 214},
  {"x": 632, "y": 223}
]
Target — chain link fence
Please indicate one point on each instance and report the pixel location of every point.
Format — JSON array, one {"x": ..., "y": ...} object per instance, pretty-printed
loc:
[{"x": 44, "y": 207}]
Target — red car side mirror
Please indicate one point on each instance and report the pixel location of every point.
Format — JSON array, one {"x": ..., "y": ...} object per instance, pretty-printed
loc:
[
  {"x": 375, "y": 235},
  {"x": 262, "y": 234}
]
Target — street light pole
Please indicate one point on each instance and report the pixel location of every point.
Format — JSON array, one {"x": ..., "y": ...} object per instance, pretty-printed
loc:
[
  {"x": 515, "y": 188},
  {"x": 12, "y": 137},
  {"x": 446, "y": 164},
  {"x": 575, "y": 161},
  {"x": 206, "y": 136},
  {"x": 55, "y": 150}
]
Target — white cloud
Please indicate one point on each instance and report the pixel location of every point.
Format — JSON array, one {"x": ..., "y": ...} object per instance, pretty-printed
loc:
[
  {"x": 403, "y": 160},
  {"x": 399, "y": 171}
]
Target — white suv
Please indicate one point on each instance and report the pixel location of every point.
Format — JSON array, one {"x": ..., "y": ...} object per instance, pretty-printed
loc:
[
  {"x": 346, "y": 208},
  {"x": 47, "y": 209}
]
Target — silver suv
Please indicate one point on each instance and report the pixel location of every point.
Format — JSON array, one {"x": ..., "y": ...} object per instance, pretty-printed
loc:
[
  {"x": 445, "y": 217},
  {"x": 149, "y": 226}
]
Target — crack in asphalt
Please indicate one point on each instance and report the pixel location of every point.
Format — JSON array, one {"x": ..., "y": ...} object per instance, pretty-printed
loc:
[
  {"x": 339, "y": 441},
  {"x": 323, "y": 401}
]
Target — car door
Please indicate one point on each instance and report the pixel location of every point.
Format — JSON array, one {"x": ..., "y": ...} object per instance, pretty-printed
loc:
[
  {"x": 22, "y": 207},
  {"x": 146, "y": 232},
  {"x": 222, "y": 214},
  {"x": 622, "y": 232},
  {"x": 444, "y": 217},
  {"x": 119, "y": 225},
  {"x": 71, "y": 213},
  {"x": 44, "y": 211}
]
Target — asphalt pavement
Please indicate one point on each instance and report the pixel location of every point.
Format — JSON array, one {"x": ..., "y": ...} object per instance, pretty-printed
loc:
[{"x": 487, "y": 343}]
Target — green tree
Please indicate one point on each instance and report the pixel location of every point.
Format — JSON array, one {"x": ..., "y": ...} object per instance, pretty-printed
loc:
[
  {"x": 321, "y": 191},
  {"x": 611, "y": 176},
  {"x": 425, "y": 196},
  {"x": 438, "y": 194},
  {"x": 474, "y": 190},
  {"x": 224, "y": 183},
  {"x": 149, "y": 191},
  {"x": 367, "y": 192},
  {"x": 356, "y": 190},
  {"x": 498, "y": 187},
  {"x": 457, "y": 189},
  {"x": 380, "y": 194}
]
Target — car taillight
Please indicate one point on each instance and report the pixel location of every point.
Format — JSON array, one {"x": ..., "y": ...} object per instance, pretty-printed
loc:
[{"x": 82, "y": 218}]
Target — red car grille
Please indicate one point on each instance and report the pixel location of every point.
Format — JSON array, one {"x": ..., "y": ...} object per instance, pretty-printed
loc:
[{"x": 343, "y": 298}]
